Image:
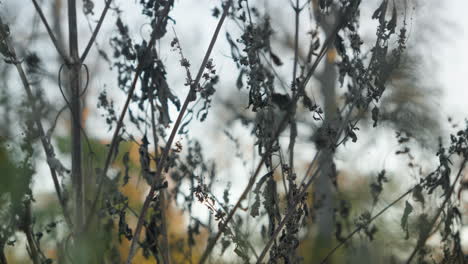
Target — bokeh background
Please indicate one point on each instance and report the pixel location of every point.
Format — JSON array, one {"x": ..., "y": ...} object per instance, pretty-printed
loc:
[{"x": 428, "y": 98}]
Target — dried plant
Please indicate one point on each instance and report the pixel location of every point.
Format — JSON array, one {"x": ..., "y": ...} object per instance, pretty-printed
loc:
[{"x": 152, "y": 152}]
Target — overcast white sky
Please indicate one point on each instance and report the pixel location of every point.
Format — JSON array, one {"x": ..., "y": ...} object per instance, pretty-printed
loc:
[{"x": 453, "y": 59}]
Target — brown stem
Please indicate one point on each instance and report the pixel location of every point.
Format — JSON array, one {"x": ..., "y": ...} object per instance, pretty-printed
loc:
[
  {"x": 74, "y": 78},
  {"x": 57, "y": 45},
  {"x": 96, "y": 31}
]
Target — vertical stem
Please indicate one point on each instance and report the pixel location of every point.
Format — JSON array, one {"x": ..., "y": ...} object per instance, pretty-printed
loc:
[{"x": 74, "y": 73}]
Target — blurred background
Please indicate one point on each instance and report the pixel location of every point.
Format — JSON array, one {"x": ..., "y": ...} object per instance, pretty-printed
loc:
[{"x": 426, "y": 98}]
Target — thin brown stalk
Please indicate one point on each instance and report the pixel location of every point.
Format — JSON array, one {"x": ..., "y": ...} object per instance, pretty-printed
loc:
[
  {"x": 74, "y": 78},
  {"x": 95, "y": 32},
  {"x": 51, "y": 33},
  {"x": 162, "y": 160}
]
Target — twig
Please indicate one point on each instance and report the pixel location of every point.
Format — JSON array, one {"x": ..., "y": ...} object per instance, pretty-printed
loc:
[
  {"x": 162, "y": 160},
  {"x": 95, "y": 32},
  {"x": 51, "y": 34}
]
